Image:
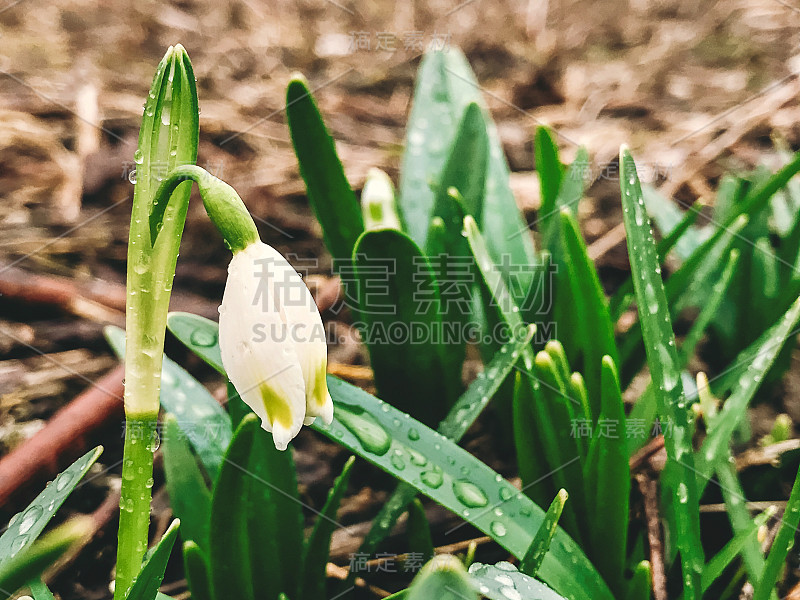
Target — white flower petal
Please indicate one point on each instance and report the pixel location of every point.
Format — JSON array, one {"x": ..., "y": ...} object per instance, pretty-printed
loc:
[
  {"x": 306, "y": 330},
  {"x": 257, "y": 352}
]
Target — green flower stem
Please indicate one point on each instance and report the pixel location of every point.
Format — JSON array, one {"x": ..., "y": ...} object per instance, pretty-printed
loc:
[
  {"x": 160, "y": 222},
  {"x": 141, "y": 441},
  {"x": 168, "y": 137}
]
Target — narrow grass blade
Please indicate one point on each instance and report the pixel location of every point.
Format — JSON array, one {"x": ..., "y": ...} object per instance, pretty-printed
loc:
[
  {"x": 503, "y": 582},
  {"x": 396, "y": 284},
  {"x": 471, "y": 403},
  {"x": 189, "y": 495},
  {"x": 669, "y": 219},
  {"x": 26, "y": 526},
  {"x": 740, "y": 519},
  {"x": 23, "y": 566},
  {"x": 586, "y": 302},
  {"x": 315, "y": 556},
  {"x": 500, "y": 299},
  {"x": 753, "y": 201},
  {"x": 230, "y": 567},
  {"x": 722, "y": 559},
  {"x": 624, "y": 295},
  {"x": 556, "y": 414},
  {"x": 419, "y": 531},
  {"x": 728, "y": 227},
  {"x": 577, "y": 391},
  {"x": 195, "y": 567},
  {"x": 758, "y": 198},
  {"x": 572, "y": 183},
  {"x": 465, "y": 168},
  {"x": 662, "y": 358},
  {"x": 200, "y": 417},
  {"x": 639, "y": 588},
  {"x": 329, "y": 193},
  {"x": 541, "y": 542},
  {"x": 145, "y": 585},
  {"x": 688, "y": 286},
  {"x": 691, "y": 288},
  {"x": 644, "y": 411},
  {"x": 715, "y": 446},
  {"x": 40, "y": 591},
  {"x": 709, "y": 309},
  {"x": 533, "y": 471},
  {"x": 613, "y": 482},
  {"x": 551, "y": 173},
  {"x": 443, "y": 578},
  {"x": 784, "y": 541}
]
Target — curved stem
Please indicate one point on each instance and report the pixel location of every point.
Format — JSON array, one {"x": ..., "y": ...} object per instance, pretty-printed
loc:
[{"x": 223, "y": 205}]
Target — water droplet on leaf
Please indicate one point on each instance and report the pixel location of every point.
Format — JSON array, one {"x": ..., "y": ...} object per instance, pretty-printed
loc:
[{"x": 469, "y": 494}]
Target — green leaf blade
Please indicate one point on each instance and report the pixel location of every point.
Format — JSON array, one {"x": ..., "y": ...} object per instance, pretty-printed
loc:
[
  {"x": 502, "y": 582},
  {"x": 541, "y": 542},
  {"x": 146, "y": 583},
  {"x": 29, "y": 524},
  {"x": 189, "y": 495},
  {"x": 715, "y": 446},
  {"x": 195, "y": 566},
  {"x": 229, "y": 557},
  {"x": 317, "y": 550},
  {"x": 444, "y": 578},
  {"x": 783, "y": 543},
  {"x": 363, "y": 424},
  {"x": 408, "y": 294},
  {"x": 662, "y": 358},
  {"x": 329, "y": 193}
]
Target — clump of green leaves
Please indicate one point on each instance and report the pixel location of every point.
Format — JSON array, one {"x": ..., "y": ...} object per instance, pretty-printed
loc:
[{"x": 466, "y": 261}]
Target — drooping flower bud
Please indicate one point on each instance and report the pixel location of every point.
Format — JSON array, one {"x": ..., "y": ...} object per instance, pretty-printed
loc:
[{"x": 273, "y": 342}]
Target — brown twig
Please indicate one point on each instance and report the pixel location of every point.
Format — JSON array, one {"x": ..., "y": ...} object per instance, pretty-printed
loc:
[
  {"x": 341, "y": 573},
  {"x": 100, "y": 302},
  {"x": 767, "y": 455},
  {"x": 65, "y": 436},
  {"x": 649, "y": 490},
  {"x": 643, "y": 455},
  {"x": 97, "y": 300}
]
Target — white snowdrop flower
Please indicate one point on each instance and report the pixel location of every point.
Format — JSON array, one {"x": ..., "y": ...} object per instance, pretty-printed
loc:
[{"x": 273, "y": 342}]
